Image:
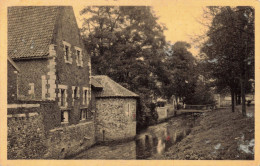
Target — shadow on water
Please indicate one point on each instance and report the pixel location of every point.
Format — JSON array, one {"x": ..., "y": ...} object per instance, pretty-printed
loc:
[
  {"x": 159, "y": 138},
  {"x": 153, "y": 141}
]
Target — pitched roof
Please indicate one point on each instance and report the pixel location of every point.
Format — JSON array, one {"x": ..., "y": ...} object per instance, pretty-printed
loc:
[
  {"x": 111, "y": 88},
  {"x": 13, "y": 63},
  {"x": 30, "y": 30},
  {"x": 96, "y": 84}
]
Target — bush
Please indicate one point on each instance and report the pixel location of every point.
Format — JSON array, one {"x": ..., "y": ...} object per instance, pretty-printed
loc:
[{"x": 202, "y": 96}]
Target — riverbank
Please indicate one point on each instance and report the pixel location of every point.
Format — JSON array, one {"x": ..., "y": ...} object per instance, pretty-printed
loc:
[{"x": 216, "y": 135}]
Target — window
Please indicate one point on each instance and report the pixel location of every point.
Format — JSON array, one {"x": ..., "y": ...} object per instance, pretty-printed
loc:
[
  {"x": 31, "y": 91},
  {"x": 65, "y": 116},
  {"x": 79, "y": 60},
  {"x": 75, "y": 93},
  {"x": 89, "y": 114},
  {"x": 86, "y": 96},
  {"x": 67, "y": 52},
  {"x": 62, "y": 95},
  {"x": 78, "y": 55},
  {"x": 83, "y": 113}
]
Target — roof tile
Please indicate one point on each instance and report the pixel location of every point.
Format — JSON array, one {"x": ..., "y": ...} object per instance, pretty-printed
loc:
[
  {"x": 111, "y": 88},
  {"x": 30, "y": 30}
]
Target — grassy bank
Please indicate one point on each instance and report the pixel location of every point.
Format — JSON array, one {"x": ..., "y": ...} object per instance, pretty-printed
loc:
[{"x": 216, "y": 135}]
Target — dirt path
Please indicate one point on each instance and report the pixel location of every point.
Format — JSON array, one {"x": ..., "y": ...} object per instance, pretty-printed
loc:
[{"x": 218, "y": 135}]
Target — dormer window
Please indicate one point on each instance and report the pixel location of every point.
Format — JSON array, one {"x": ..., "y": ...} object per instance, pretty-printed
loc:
[
  {"x": 79, "y": 60},
  {"x": 67, "y": 52}
]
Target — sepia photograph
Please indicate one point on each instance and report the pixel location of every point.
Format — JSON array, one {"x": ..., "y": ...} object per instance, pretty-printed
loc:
[{"x": 130, "y": 82}]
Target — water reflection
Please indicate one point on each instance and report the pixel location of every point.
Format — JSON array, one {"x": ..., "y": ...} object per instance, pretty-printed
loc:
[
  {"x": 153, "y": 141},
  {"x": 160, "y": 147},
  {"x": 157, "y": 139}
]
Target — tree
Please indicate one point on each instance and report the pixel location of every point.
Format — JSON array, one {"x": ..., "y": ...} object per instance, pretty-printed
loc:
[
  {"x": 230, "y": 48},
  {"x": 203, "y": 94},
  {"x": 181, "y": 71},
  {"x": 126, "y": 43}
]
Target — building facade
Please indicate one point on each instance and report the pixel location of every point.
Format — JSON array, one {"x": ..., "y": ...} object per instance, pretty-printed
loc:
[
  {"x": 48, "y": 84},
  {"x": 46, "y": 45},
  {"x": 115, "y": 110}
]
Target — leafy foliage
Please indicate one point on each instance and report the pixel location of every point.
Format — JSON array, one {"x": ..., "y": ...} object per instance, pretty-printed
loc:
[
  {"x": 126, "y": 43},
  {"x": 230, "y": 48},
  {"x": 202, "y": 95},
  {"x": 181, "y": 70}
]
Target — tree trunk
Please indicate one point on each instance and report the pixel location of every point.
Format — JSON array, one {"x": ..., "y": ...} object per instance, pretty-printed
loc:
[
  {"x": 233, "y": 100},
  {"x": 243, "y": 97},
  {"x": 239, "y": 98},
  {"x": 243, "y": 81}
]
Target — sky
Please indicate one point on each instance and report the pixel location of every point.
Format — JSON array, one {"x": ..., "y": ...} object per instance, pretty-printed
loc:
[{"x": 180, "y": 20}]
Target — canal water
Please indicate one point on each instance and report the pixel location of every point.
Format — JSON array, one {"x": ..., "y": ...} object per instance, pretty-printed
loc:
[{"x": 152, "y": 142}]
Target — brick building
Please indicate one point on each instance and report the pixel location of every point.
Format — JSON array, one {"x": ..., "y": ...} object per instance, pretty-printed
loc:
[
  {"x": 46, "y": 45},
  {"x": 52, "y": 89},
  {"x": 115, "y": 110}
]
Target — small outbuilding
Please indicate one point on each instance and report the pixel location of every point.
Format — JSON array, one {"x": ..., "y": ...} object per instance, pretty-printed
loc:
[{"x": 115, "y": 109}]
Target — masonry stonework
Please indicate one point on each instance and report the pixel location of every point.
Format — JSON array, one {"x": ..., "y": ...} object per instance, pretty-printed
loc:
[
  {"x": 36, "y": 133},
  {"x": 51, "y": 75},
  {"x": 31, "y": 71},
  {"x": 69, "y": 140},
  {"x": 26, "y": 138},
  {"x": 66, "y": 30},
  {"x": 115, "y": 118}
]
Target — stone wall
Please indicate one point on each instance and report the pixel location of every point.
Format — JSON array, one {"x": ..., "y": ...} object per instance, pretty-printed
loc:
[
  {"x": 69, "y": 140},
  {"x": 115, "y": 118},
  {"x": 162, "y": 113},
  {"x": 51, "y": 115},
  {"x": 26, "y": 136},
  {"x": 171, "y": 112},
  {"x": 35, "y": 132}
]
